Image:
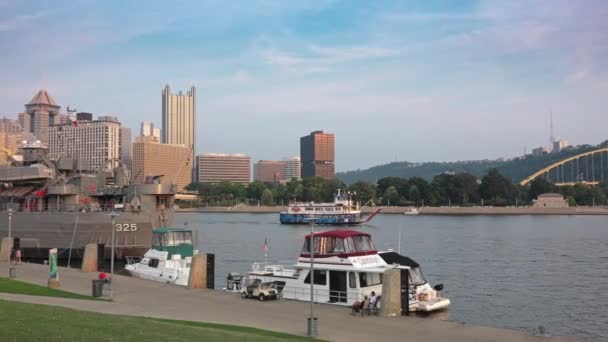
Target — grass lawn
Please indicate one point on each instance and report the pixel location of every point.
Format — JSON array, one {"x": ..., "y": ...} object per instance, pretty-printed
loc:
[
  {"x": 14, "y": 286},
  {"x": 31, "y": 322}
]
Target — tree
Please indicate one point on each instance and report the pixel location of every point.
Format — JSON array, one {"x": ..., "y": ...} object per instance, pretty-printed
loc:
[
  {"x": 255, "y": 190},
  {"x": 540, "y": 186},
  {"x": 468, "y": 188},
  {"x": 497, "y": 188},
  {"x": 364, "y": 191},
  {"x": 267, "y": 198},
  {"x": 391, "y": 195}
]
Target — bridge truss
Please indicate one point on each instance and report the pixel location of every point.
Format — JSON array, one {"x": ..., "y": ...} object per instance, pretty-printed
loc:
[{"x": 589, "y": 168}]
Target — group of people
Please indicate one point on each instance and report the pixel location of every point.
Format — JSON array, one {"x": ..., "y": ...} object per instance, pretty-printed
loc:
[{"x": 367, "y": 305}]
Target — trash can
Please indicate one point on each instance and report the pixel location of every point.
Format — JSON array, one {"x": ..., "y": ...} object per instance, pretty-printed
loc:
[
  {"x": 97, "y": 288},
  {"x": 313, "y": 327},
  {"x": 12, "y": 272}
]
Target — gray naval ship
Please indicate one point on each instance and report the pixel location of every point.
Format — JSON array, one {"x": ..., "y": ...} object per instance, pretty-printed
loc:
[{"x": 64, "y": 204}]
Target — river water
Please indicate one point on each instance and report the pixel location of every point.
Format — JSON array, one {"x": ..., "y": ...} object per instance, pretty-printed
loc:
[{"x": 542, "y": 274}]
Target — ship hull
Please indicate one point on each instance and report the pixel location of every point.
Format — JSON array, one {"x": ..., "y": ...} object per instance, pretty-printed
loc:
[{"x": 40, "y": 231}]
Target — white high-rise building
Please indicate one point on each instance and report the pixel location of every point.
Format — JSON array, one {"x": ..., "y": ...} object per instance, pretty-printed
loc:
[
  {"x": 293, "y": 168},
  {"x": 560, "y": 145},
  {"x": 97, "y": 141},
  {"x": 147, "y": 129},
  {"x": 156, "y": 133}
]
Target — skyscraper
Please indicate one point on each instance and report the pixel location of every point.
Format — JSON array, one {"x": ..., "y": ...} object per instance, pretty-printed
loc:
[
  {"x": 151, "y": 158},
  {"x": 317, "y": 153},
  {"x": 126, "y": 147},
  {"x": 97, "y": 141},
  {"x": 40, "y": 113},
  {"x": 269, "y": 171},
  {"x": 179, "y": 119},
  {"x": 146, "y": 129},
  {"x": 293, "y": 168},
  {"x": 217, "y": 167}
]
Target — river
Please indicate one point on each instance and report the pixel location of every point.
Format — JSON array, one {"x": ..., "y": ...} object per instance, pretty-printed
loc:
[{"x": 542, "y": 274}]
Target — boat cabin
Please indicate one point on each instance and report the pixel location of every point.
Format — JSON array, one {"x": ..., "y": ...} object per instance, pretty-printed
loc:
[{"x": 173, "y": 241}]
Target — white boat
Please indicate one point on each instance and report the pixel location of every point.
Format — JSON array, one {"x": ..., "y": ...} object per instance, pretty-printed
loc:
[
  {"x": 343, "y": 211},
  {"x": 168, "y": 260},
  {"x": 347, "y": 267},
  {"x": 412, "y": 211}
]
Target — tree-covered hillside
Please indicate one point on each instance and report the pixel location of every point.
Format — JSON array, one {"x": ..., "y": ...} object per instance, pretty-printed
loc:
[{"x": 516, "y": 169}]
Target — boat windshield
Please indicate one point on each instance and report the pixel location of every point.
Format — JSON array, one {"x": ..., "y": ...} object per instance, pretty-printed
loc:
[
  {"x": 172, "y": 238},
  {"x": 334, "y": 245},
  {"x": 417, "y": 278}
]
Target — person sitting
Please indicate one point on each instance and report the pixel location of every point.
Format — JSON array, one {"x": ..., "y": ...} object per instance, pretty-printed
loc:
[
  {"x": 359, "y": 306},
  {"x": 372, "y": 302}
]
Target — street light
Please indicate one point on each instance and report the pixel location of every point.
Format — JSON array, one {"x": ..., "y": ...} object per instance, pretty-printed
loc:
[
  {"x": 311, "y": 320},
  {"x": 10, "y": 224},
  {"x": 113, "y": 214}
]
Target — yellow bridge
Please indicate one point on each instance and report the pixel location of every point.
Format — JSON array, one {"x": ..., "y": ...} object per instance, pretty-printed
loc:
[{"x": 569, "y": 171}]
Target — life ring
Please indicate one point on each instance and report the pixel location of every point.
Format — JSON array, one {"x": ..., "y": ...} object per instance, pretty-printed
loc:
[{"x": 296, "y": 209}]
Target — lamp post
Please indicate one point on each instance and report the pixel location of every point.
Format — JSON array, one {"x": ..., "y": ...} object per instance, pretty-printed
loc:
[
  {"x": 311, "y": 320},
  {"x": 10, "y": 224},
  {"x": 113, "y": 215}
]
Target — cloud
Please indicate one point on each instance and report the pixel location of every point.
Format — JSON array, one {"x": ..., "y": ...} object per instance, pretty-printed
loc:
[
  {"x": 20, "y": 22},
  {"x": 317, "y": 58}
]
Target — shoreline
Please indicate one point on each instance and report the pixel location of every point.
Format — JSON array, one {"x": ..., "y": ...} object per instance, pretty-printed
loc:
[
  {"x": 448, "y": 211},
  {"x": 138, "y": 297}
]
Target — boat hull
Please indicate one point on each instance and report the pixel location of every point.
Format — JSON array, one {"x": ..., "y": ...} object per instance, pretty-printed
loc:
[{"x": 335, "y": 219}]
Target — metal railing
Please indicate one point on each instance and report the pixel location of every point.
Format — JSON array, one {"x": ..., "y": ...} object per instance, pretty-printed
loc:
[{"x": 322, "y": 295}]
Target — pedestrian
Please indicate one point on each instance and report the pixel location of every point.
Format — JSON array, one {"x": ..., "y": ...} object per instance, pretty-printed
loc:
[{"x": 18, "y": 256}]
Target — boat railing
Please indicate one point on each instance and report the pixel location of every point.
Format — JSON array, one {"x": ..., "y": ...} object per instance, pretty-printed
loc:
[
  {"x": 132, "y": 259},
  {"x": 323, "y": 295},
  {"x": 266, "y": 267}
]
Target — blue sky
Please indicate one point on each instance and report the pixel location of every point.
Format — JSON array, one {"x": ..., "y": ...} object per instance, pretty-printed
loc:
[{"x": 406, "y": 80}]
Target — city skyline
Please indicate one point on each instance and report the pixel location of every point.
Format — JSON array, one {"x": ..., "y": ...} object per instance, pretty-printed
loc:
[{"x": 378, "y": 76}]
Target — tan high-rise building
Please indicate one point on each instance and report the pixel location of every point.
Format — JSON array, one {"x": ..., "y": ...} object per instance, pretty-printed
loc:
[
  {"x": 40, "y": 113},
  {"x": 97, "y": 141},
  {"x": 171, "y": 161},
  {"x": 269, "y": 171},
  {"x": 10, "y": 137},
  {"x": 317, "y": 153},
  {"x": 217, "y": 167},
  {"x": 179, "y": 117}
]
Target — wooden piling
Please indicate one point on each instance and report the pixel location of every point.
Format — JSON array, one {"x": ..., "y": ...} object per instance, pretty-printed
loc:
[
  {"x": 198, "y": 272},
  {"x": 5, "y": 249},
  {"x": 89, "y": 261}
]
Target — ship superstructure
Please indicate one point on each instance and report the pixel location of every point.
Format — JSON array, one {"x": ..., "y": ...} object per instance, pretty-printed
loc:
[{"x": 64, "y": 204}]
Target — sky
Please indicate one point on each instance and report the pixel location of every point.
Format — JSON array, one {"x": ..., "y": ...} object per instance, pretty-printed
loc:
[{"x": 394, "y": 80}]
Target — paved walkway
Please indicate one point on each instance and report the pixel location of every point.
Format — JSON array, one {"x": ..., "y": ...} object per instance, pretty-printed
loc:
[{"x": 147, "y": 298}]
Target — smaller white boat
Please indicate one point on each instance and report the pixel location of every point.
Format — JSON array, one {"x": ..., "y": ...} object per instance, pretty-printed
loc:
[
  {"x": 412, "y": 211},
  {"x": 169, "y": 259}
]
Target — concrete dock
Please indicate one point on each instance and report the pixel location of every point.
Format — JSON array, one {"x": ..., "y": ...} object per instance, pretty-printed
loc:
[{"x": 138, "y": 297}]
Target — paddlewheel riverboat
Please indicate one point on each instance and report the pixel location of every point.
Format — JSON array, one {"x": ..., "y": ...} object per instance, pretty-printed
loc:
[
  {"x": 343, "y": 211},
  {"x": 347, "y": 267}
]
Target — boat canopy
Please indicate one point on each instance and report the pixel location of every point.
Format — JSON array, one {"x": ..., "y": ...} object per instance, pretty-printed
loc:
[
  {"x": 341, "y": 243},
  {"x": 173, "y": 240}
]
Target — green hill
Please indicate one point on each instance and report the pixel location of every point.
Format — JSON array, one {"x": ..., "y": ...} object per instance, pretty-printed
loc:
[{"x": 516, "y": 169}]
